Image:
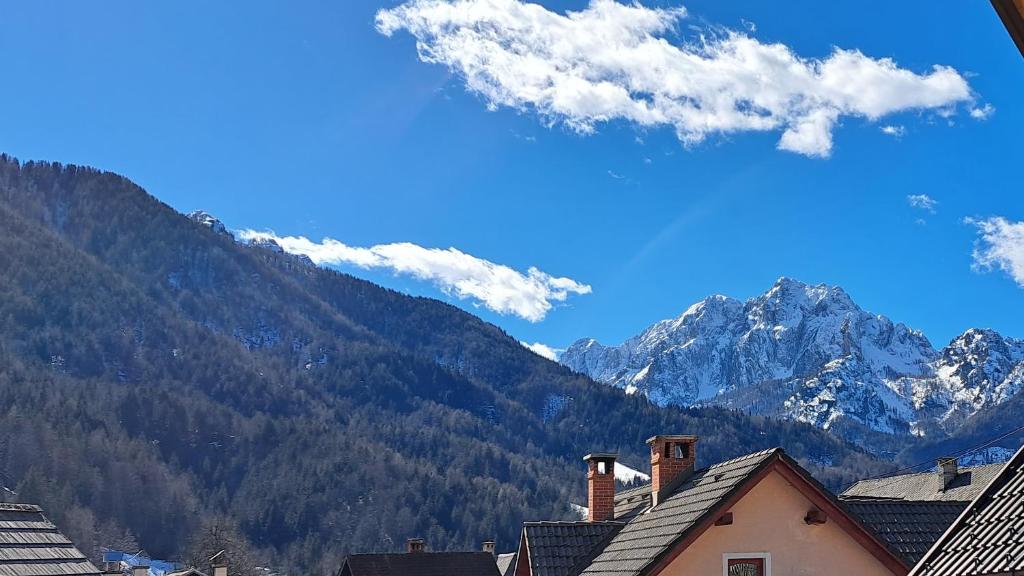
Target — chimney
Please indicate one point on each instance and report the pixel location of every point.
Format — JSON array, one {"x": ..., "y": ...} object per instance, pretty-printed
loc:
[
  {"x": 488, "y": 547},
  {"x": 415, "y": 545},
  {"x": 600, "y": 486},
  {"x": 947, "y": 472},
  {"x": 220, "y": 569},
  {"x": 219, "y": 563},
  {"x": 671, "y": 456},
  {"x": 140, "y": 570}
]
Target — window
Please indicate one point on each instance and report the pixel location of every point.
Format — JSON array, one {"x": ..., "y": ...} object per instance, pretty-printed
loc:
[{"x": 753, "y": 564}]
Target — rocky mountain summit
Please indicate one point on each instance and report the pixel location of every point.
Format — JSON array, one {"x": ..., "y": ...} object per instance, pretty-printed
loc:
[{"x": 809, "y": 353}]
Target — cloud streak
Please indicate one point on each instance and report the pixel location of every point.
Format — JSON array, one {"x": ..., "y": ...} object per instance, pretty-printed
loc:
[
  {"x": 613, "y": 61},
  {"x": 495, "y": 286},
  {"x": 1000, "y": 246},
  {"x": 922, "y": 202}
]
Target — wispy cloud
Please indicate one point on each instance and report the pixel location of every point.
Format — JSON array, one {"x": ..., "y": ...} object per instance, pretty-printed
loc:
[
  {"x": 613, "y": 61},
  {"x": 1000, "y": 246},
  {"x": 982, "y": 112},
  {"x": 923, "y": 202},
  {"x": 495, "y": 286},
  {"x": 895, "y": 131},
  {"x": 542, "y": 350}
]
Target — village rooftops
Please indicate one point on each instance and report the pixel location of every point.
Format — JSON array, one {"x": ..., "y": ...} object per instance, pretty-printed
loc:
[
  {"x": 30, "y": 545},
  {"x": 564, "y": 548},
  {"x": 986, "y": 539},
  {"x": 421, "y": 564},
  {"x": 651, "y": 528},
  {"x": 964, "y": 486}
]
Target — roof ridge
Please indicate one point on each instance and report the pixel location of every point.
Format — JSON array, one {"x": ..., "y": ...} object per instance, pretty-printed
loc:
[
  {"x": 757, "y": 454},
  {"x": 572, "y": 523}
]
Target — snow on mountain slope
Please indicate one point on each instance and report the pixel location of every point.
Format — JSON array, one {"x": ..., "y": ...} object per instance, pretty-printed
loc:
[{"x": 808, "y": 353}]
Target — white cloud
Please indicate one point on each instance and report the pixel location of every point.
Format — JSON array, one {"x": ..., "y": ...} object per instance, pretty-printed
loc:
[
  {"x": 922, "y": 201},
  {"x": 543, "y": 350},
  {"x": 1000, "y": 246},
  {"x": 500, "y": 288},
  {"x": 982, "y": 112},
  {"x": 895, "y": 131},
  {"x": 613, "y": 61}
]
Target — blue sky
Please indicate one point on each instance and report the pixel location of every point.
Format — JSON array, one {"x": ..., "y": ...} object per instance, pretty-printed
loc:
[{"x": 303, "y": 119}]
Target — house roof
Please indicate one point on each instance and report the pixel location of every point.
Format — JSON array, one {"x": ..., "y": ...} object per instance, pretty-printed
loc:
[
  {"x": 564, "y": 548},
  {"x": 909, "y": 528},
  {"x": 30, "y": 545},
  {"x": 653, "y": 536},
  {"x": 924, "y": 486},
  {"x": 1011, "y": 12},
  {"x": 647, "y": 536},
  {"x": 421, "y": 564},
  {"x": 988, "y": 537}
]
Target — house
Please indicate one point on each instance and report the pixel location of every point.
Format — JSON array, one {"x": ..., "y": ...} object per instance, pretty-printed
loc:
[
  {"x": 987, "y": 538},
  {"x": 418, "y": 562},
  {"x": 1011, "y": 12},
  {"x": 911, "y": 511},
  {"x": 30, "y": 545},
  {"x": 756, "y": 515}
]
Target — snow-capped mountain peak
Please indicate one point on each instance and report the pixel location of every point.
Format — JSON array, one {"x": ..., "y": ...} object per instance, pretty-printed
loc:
[{"x": 807, "y": 352}]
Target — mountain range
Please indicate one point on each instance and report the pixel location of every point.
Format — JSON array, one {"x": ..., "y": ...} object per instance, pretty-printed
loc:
[
  {"x": 161, "y": 380},
  {"x": 809, "y": 353}
]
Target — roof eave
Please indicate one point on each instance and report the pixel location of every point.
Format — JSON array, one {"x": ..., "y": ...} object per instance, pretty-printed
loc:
[{"x": 1011, "y": 12}]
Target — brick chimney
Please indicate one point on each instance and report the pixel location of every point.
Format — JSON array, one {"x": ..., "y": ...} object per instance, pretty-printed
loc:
[
  {"x": 488, "y": 547},
  {"x": 600, "y": 486},
  {"x": 220, "y": 569},
  {"x": 140, "y": 570},
  {"x": 415, "y": 545},
  {"x": 671, "y": 456},
  {"x": 947, "y": 472}
]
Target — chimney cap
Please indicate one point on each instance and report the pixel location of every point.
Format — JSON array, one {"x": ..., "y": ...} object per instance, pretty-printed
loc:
[
  {"x": 673, "y": 437},
  {"x": 600, "y": 456}
]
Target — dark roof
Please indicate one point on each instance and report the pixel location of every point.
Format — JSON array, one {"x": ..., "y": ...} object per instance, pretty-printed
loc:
[
  {"x": 647, "y": 536},
  {"x": 924, "y": 486},
  {"x": 1011, "y": 12},
  {"x": 564, "y": 548},
  {"x": 30, "y": 545},
  {"x": 908, "y": 528},
  {"x": 988, "y": 538},
  {"x": 421, "y": 564}
]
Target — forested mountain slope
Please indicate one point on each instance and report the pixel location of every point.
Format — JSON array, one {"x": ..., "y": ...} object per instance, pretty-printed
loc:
[{"x": 156, "y": 375}]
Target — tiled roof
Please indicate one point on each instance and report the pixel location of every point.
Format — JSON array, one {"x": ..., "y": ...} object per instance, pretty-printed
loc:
[
  {"x": 563, "y": 548},
  {"x": 629, "y": 503},
  {"x": 30, "y": 545},
  {"x": 646, "y": 536},
  {"x": 924, "y": 486},
  {"x": 989, "y": 537},
  {"x": 421, "y": 564},
  {"x": 908, "y": 528}
]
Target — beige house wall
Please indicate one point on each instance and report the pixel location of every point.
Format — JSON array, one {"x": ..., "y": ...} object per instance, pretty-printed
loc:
[{"x": 770, "y": 518}]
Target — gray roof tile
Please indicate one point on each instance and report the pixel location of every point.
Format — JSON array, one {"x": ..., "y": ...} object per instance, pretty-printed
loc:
[
  {"x": 989, "y": 537},
  {"x": 924, "y": 486},
  {"x": 908, "y": 528},
  {"x": 30, "y": 545},
  {"x": 563, "y": 548}
]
